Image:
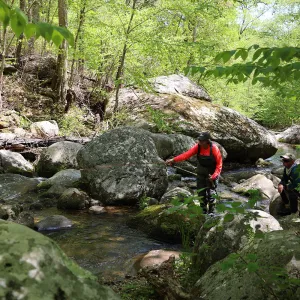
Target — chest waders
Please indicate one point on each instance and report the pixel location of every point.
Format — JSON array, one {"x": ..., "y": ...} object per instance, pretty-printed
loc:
[{"x": 206, "y": 166}]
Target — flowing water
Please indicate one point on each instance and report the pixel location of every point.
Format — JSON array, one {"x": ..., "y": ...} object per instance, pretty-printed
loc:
[{"x": 103, "y": 244}]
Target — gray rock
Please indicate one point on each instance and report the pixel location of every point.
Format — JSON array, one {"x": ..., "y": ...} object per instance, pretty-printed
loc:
[
  {"x": 290, "y": 136},
  {"x": 243, "y": 138},
  {"x": 276, "y": 205},
  {"x": 177, "y": 192},
  {"x": 54, "y": 222},
  {"x": 122, "y": 166},
  {"x": 44, "y": 129},
  {"x": 179, "y": 84},
  {"x": 257, "y": 182},
  {"x": 218, "y": 238},
  {"x": 65, "y": 178},
  {"x": 26, "y": 218},
  {"x": 277, "y": 251},
  {"x": 57, "y": 157},
  {"x": 278, "y": 171},
  {"x": 34, "y": 267},
  {"x": 15, "y": 187},
  {"x": 13, "y": 162},
  {"x": 97, "y": 210},
  {"x": 163, "y": 144},
  {"x": 72, "y": 198}
]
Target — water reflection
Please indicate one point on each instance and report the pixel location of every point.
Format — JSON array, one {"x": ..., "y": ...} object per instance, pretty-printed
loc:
[{"x": 103, "y": 244}]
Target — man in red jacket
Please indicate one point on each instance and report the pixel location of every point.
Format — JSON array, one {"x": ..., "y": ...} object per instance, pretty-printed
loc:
[{"x": 209, "y": 166}]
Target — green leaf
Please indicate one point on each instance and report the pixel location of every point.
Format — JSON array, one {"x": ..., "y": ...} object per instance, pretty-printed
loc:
[
  {"x": 221, "y": 207},
  {"x": 240, "y": 210},
  {"x": 236, "y": 204},
  {"x": 57, "y": 38},
  {"x": 68, "y": 36},
  {"x": 30, "y": 30},
  {"x": 228, "y": 217},
  {"x": 244, "y": 54},
  {"x": 275, "y": 61},
  {"x": 252, "y": 267},
  {"x": 45, "y": 30},
  {"x": 4, "y": 14},
  {"x": 218, "y": 57},
  {"x": 257, "y": 54},
  {"x": 18, "y": 21},
  {"x": 227, "y": 55},
  {"x": 252, "y": 257}
]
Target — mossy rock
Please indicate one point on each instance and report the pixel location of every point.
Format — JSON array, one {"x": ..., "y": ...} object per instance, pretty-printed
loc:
[
  {"x": 34, "y": 267},
  {"x": 157, "y": 222}
]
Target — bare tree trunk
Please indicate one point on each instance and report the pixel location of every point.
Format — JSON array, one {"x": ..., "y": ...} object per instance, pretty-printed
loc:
[
  {"x": 20, "y": 40},
  {"x": 4, "y": 40},
  {"x": 122, "y": 59},
  {"x": 34, "y": 16},
  {"x": 60, "y": 82},
  {"x": 81, "y": 21}
]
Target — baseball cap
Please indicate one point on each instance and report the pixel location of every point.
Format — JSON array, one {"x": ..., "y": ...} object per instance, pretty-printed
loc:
[
  {"x": 288, "y": 156},
  {"x": 204, "y": 136}
]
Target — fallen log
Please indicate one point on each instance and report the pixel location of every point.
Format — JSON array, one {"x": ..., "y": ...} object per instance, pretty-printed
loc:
[{"x": 20, "y": 144}]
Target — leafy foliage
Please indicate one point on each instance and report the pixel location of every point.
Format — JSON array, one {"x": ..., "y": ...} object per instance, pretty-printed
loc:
[
  {"x": 18, "y": 22},
  {"x": 268, "y": 65}
]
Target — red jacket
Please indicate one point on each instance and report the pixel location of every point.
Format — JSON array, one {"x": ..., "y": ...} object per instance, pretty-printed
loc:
[{"x": 194, "y": 150}]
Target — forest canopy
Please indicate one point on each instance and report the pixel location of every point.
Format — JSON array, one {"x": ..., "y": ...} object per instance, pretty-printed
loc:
[{"x": 244, "y": 53}]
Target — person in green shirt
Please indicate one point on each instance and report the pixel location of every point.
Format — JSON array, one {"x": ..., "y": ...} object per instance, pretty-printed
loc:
[{"x": 289, "y": 185}]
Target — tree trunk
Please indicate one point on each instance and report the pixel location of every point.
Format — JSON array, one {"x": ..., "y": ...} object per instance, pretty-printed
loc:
[
  {"x": 60, "y": 82},
  {"x": 20, "y": 40},
  {"x": 3, "y": 52},
  {"x": 34, "y": 16},
  {"x": 78, "y": 33},
  {"x": 120, "y": 70}
]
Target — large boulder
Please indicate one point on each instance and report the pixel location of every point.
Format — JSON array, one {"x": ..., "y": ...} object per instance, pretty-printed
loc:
[
  {"x": 160, "y": 223},
  {"x": 290, "y": 136},
  {"x": 66, "y": 178},
  {"x": 54, "y": 222},
  {"x": 34, "y": 267},
  {"x": 45, "y": 129},
  {"x": 178, "y": 84},
  {"x": 257, "y": 182},
  {"x": 73, "y": 198},
  {"x": 243, "y": 138},
  {"x": 273, "y": 264},
  {"x": 121, "y": 166},
  {"x": 12, "y": 162},
  {"x": 217, "y": 238},
  {"x": 57, "y": 157},
  {"x": 16, "y": 188}
]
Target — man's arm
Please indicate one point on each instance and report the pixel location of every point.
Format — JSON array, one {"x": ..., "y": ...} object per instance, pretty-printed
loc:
[
  {"x": 184, "y": 156},
  {"x": 283, "y": 182},
  {"x": 219, "y": 162}
]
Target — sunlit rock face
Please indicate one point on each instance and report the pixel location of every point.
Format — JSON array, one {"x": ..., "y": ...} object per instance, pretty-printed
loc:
[
  {"x": 34, "y": 267},
  {"x": 12, "y": 162},
  {"x": 57, "y": 157},
  {"x": 190, "y": 113},
  {"x": 290, "y": 136},
  {"x": 121, "y": 166}
]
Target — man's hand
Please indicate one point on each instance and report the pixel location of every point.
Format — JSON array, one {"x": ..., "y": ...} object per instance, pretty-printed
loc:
[
  {"x": 280, "y": 188},
  {"x": 169, "y": 162},
  {"x": 210, "y": 177}
]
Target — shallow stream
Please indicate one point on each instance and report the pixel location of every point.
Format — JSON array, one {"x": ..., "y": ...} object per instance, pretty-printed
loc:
[{"x": 105, "y": 245}]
